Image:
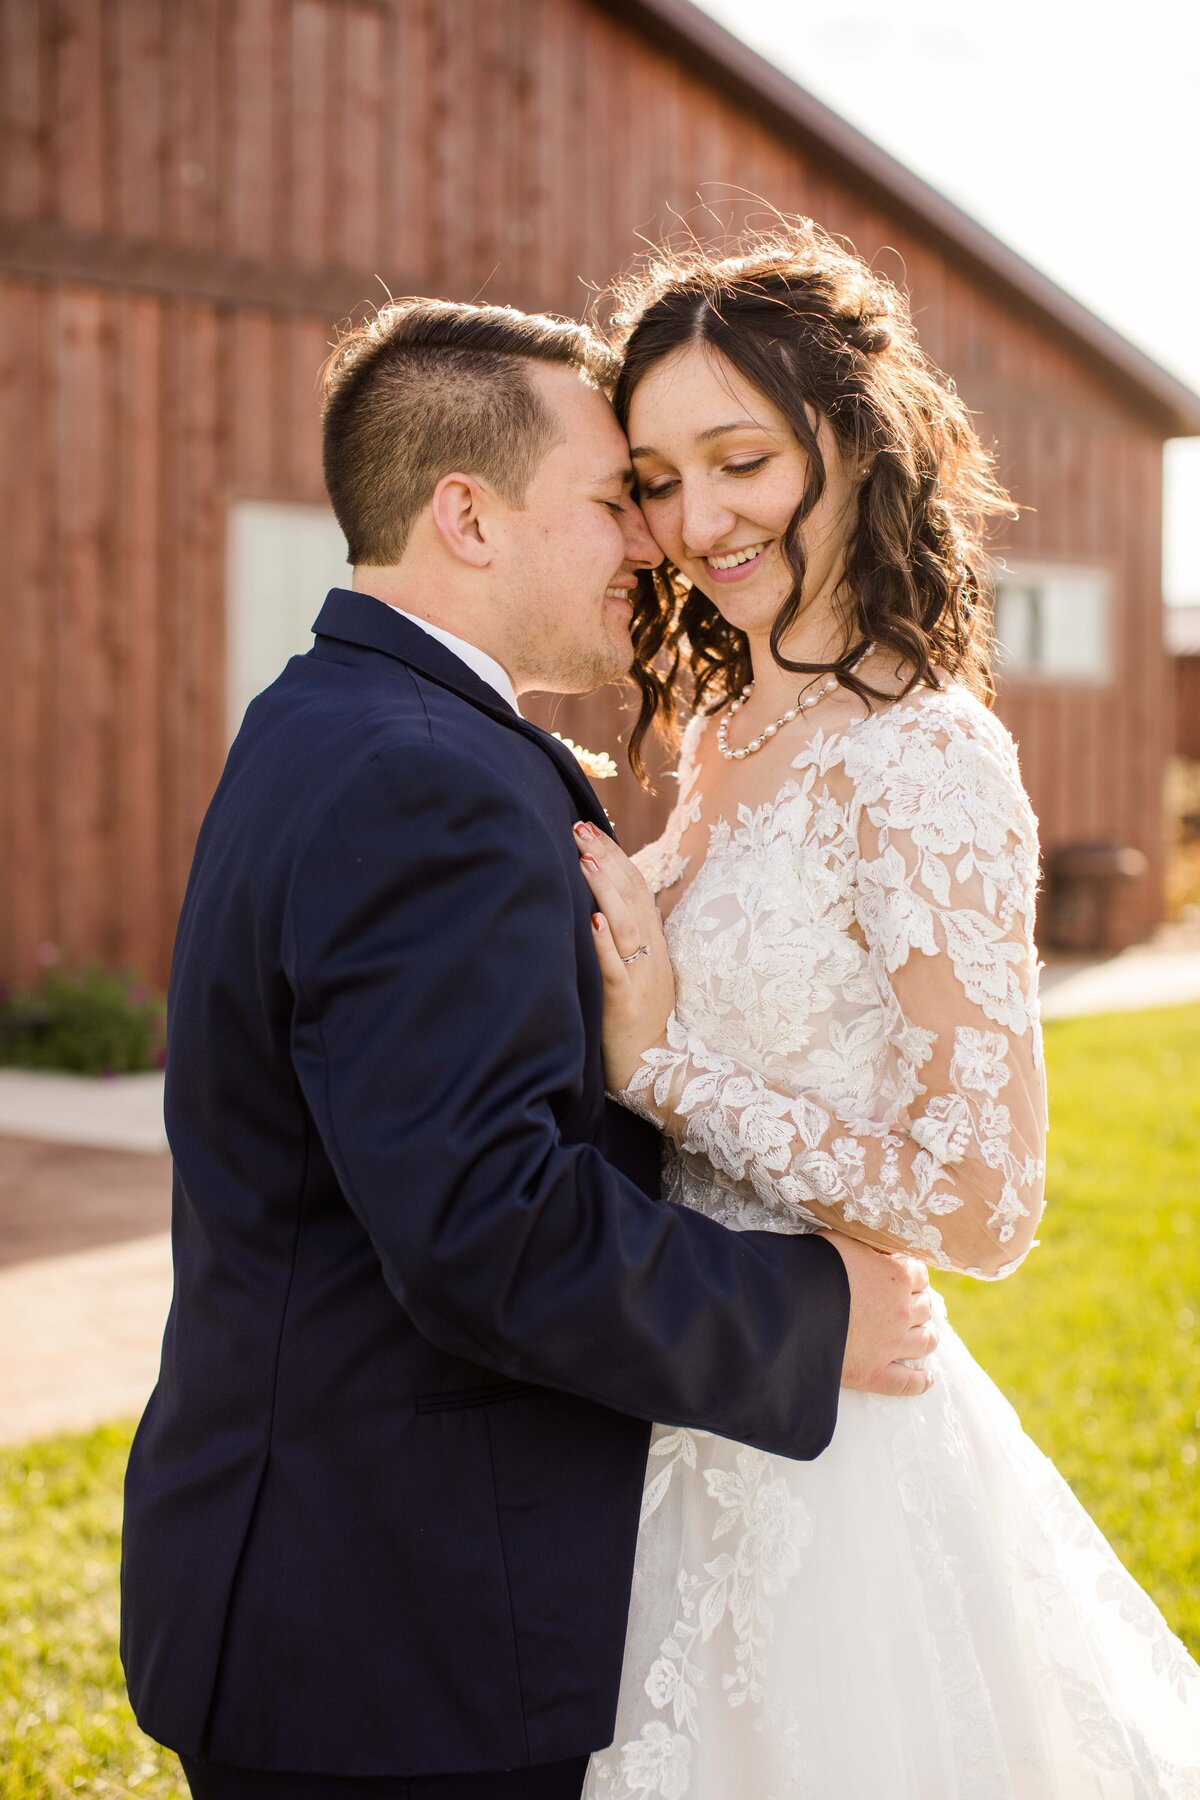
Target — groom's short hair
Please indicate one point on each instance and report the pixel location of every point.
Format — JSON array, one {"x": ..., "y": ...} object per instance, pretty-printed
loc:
[{"x": 430, "y": 386}]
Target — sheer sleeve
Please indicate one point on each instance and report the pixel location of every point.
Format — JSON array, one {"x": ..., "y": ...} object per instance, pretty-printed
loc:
[{"x": 943, "y": 1158}]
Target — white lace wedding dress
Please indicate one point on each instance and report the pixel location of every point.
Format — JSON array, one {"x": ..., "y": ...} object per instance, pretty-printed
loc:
[{"x": 925, "y": 1612}]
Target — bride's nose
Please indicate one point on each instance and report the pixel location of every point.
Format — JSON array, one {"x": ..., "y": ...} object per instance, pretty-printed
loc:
[{"x": 704, "y": 519}]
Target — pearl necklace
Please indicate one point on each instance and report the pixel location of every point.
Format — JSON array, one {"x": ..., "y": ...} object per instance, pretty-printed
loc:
[{"x": 768, "y": 731}]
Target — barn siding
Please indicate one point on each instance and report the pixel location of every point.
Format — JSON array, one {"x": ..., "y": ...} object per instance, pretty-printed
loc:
[
  {"x": 1186, "y": 706},
  {"x": 169, "y": 156}
]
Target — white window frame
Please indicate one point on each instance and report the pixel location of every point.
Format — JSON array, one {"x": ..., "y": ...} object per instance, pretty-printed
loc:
[
  {"x": 282, "y": 557},
  {"x": 1071, "y": 588}
]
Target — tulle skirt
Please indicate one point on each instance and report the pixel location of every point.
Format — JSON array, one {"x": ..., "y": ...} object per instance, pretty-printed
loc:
[{"x": 923, "y": 1613}]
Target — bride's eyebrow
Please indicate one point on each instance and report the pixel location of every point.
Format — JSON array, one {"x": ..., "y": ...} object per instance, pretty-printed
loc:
[{"x": 713, "y": 431}]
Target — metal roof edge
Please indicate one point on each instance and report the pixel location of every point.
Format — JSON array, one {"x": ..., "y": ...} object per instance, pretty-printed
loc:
[{"x": 682, "y": 27}]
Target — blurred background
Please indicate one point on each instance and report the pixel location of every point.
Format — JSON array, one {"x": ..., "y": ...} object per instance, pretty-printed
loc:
[{"x": 193, "y": 194}]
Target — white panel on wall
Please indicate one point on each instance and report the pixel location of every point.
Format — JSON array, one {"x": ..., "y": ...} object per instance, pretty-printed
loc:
[
  {"x": 282, "y": 560},
  {"x": 1054, "y": 623}
]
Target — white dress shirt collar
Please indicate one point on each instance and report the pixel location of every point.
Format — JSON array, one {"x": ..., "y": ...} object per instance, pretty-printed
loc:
[{"x": 483, "y": 665}]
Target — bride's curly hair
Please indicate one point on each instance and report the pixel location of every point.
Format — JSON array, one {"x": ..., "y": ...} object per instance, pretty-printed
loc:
[{"x": 810, "y": 325}]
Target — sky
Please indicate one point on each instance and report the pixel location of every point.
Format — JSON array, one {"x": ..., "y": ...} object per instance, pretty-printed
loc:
[{"x": 1068, "y": 129}]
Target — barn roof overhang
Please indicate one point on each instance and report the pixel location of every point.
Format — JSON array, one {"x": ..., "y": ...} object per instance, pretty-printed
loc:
[{"x": 699, "y": 42}]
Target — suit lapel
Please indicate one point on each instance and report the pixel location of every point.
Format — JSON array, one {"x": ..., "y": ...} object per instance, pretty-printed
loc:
[{"x": 360, "y": 619}]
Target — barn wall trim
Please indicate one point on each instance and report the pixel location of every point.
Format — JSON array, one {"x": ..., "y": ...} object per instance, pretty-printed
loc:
[{"x": 33, "y": 252}]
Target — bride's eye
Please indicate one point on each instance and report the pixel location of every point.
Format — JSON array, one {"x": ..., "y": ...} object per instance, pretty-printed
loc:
[
  {"x": 745, "y": 468},
  {"x": 658, "y": 490}
]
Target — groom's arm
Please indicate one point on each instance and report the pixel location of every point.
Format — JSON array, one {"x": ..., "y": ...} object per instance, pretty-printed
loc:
[{"x": 431, "y": 948}]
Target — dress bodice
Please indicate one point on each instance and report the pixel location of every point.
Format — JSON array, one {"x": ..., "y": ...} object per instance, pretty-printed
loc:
[{"x": 856, "y": 1032}]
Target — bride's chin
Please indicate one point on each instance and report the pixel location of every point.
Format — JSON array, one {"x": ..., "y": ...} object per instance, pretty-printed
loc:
[{"x": 755, "y": 619}]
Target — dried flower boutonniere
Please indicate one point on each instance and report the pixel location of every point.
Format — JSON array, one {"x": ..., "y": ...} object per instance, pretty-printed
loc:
[{"x": 596, "y": 763}]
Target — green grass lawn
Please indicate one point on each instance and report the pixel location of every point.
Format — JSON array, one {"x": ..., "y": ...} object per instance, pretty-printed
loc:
[{"x": 1097, "y": 1340}]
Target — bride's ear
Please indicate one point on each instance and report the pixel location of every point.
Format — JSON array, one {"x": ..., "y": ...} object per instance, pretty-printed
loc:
[{"x": 459, "y": 512}]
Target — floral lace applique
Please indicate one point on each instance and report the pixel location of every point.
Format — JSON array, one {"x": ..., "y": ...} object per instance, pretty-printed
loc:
[{"x": 856, "y": 1035}]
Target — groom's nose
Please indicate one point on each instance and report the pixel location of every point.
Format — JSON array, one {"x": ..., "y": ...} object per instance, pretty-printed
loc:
[{"x": 640, "y": 548}]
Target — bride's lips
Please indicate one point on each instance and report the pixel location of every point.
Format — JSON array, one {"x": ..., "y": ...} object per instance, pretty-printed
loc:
[{"x": 740, "y": 570}]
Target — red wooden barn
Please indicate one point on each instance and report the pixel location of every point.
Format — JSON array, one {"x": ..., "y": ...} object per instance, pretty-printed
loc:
[
  {"x": 191, "y": 195},
  {"x": 1183, "y": 647}
]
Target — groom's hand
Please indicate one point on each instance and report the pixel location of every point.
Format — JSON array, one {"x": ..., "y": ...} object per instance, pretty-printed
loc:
[{"x": 891, "y": 1320}]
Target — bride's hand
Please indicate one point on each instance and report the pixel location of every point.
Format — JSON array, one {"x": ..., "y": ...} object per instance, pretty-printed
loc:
[{"x": 639, "y": 986}]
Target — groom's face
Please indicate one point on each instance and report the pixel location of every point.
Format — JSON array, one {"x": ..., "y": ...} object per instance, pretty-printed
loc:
[{"x": 570, "y": 555}]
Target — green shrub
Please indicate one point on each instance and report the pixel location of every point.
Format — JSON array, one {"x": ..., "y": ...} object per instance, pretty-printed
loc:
[{"x": 89, "y": 1022}]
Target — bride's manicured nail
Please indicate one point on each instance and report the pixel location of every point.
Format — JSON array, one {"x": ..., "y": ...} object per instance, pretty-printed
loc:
[
  {"x": 597, "y": 921},
  {"x": 589, "y": 862},
  {"x": 584, "y": 830}
]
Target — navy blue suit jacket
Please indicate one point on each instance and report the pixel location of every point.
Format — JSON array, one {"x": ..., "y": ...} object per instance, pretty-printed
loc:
[{"x": 382, "y": 1507}]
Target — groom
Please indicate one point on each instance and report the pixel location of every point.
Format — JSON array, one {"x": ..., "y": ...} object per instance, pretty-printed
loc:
[{"x": 381, "y": 1509}]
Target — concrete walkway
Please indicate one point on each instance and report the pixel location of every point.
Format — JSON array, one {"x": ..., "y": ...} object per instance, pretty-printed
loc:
[
  {"x": 1144, "y": 977},
  {"x": 121, "y": 1112},
  {"x": 85, "y": 1284},
  {"x": 85, "y": 1266}
]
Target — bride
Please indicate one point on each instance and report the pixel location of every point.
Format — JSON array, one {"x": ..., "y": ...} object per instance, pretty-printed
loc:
[{"x": 846, "y": 887}]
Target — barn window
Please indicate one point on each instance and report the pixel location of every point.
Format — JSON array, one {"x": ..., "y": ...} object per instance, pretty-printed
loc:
[
  {"x": 1054, "y": 623},
  {"x": 282, "y": 560}
]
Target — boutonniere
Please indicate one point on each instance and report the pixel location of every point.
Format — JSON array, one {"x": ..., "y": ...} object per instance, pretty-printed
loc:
[{"x": 596, "y": 763}]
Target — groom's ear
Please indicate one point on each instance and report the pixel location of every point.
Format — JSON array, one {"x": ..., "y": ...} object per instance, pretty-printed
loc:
[{"x": 459, "y": 510}]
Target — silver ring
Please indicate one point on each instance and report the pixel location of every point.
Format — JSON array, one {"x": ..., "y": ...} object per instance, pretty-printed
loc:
[{"x": 642, "y": 950}]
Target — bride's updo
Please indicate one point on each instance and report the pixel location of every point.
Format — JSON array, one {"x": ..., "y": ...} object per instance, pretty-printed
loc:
[{"x": 808, "y": 323}]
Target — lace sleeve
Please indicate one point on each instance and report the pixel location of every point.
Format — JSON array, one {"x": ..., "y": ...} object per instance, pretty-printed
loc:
[
  {"x": 662, "y": 862},
  {"x": 948, "y": 1164}
]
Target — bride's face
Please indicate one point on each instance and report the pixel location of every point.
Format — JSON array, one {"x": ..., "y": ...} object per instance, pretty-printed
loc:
[{"x": 720, "y": 474}]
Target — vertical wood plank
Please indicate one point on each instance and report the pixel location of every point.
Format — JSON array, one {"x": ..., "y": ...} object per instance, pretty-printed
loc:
[
  {"x": 79, "y": 134},
  {"x": 81, "y": 698},
  {"x": 308, "y": 52},
  {"x": 251, "y": 214},
  {"x": 139, "y": 144},
  {"x": 593, "y": 124},
  {"x": 194, "y": 154},
  {"x": 136, "y": 450},
  {"x": 192, "y": 596},
  {"x": 250, "y": 405},
  {"x": 1145, "y": 671},
  {"x": 412, "y": 145},
  {"x": 24, "y": 164},
  {"x": 358, "y": 194},
  {"x": 307, "y": 347},
  {"x": 26, "y": 772}
]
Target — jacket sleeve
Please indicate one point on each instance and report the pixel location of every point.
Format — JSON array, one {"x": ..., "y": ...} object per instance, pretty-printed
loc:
[
  {"x": 438, "y": 1036},
  {"x": 950, "y": 1164}
]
